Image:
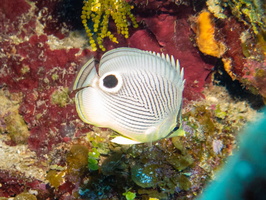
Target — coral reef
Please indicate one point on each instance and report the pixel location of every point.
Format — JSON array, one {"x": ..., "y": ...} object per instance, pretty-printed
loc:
[
  {"x": 31, "y": 69},
  {"x": 48, "y": 153},
  {"x": 245, "y": 43},
  {"x": 20, "y": 169},
  {"x": 250, "y": 12},
  {"x": 95, "y": 18},
  {"x": 243, "y": 176},
  {"x": 172, "y": 167}
]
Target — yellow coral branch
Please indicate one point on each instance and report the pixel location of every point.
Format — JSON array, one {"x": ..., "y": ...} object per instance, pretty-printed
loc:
[{"x": 95, "y": 18}]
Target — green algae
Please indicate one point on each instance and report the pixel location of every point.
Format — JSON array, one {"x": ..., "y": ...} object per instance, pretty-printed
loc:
[
  {"x": 60, "y": 97},
  {"x": 129, "y": 195},
  {"x": 93, "y": 164},
  {"x": 251, "y": 12},
  {"x": 219, "y": 113},
  {"x": 25, "y": 69},
  {"x": 94, "y": 156},
  {"x": 99, "y": 146},
  {"x": 55, "y": 76}
]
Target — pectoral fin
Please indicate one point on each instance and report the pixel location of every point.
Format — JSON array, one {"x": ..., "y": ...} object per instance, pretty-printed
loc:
[{"x": 178, "y": 132}]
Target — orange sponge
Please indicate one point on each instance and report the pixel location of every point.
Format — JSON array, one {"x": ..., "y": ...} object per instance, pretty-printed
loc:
[{"x": 205, "y": 39}]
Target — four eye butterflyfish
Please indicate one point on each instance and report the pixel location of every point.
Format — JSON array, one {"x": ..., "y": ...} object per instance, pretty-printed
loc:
[{"x": 134, "y": 92}]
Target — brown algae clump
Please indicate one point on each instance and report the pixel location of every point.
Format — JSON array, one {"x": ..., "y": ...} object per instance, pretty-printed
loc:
[
  {"x": 77, "y": 161},
  {"x": 25, "y": 196},
  {"x": 55, "y": 178},
  {"x": 10, "y": 120}
]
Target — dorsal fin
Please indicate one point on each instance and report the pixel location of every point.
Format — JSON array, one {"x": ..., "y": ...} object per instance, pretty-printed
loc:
[{"x": 128, "y": 59}]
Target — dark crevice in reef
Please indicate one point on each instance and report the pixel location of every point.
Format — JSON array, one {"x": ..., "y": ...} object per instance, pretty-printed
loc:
[{"x": 235, "y": 88}]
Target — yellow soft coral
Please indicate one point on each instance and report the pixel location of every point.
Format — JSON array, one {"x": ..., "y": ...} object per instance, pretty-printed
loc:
[
  {"x": 95, "y": 18},
  {"x": 205, "y": 36}
]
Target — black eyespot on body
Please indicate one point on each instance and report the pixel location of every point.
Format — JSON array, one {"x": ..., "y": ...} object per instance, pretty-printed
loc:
[{"x": 110, "y": 81}]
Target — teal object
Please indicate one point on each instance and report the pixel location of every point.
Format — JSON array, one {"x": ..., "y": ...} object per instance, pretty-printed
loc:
[{"x": 244, "y": 175}]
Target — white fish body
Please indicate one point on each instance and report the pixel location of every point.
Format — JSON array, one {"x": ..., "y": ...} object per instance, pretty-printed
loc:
[{"x": 136, "y": 93}]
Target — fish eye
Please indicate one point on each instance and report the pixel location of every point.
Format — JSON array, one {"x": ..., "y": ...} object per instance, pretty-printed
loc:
[{"x": 111, "y": 82}]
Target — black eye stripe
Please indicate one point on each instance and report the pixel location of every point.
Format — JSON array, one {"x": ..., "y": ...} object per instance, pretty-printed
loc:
[{"x": 110, "y": 81}]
